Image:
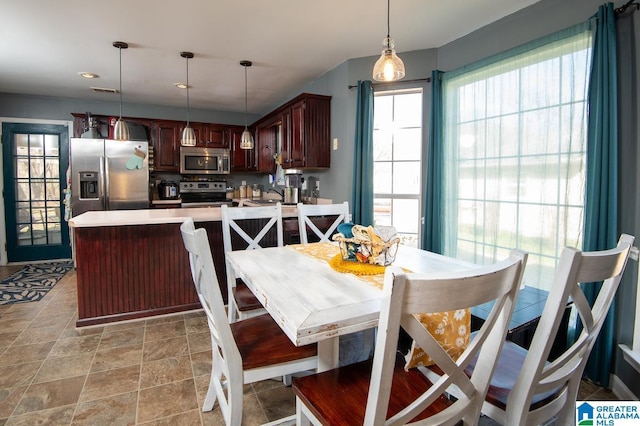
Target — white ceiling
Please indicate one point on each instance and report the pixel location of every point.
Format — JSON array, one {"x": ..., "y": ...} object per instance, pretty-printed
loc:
[{"x": 44, "y": 44}]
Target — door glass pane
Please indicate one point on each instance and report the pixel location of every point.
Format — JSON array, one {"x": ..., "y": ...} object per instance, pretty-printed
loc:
[
  {"x": 36, "y": 145},
  {"x": 54, "y": 236},
  {"x": 38, "y": 191},
  {"x": 52, "y": 145},
  {"x": 21, "y": 144},
  {"x": 23, "y": 213},
  {"x": 22, "y": 190},
  {"x": 24, "y": 234},
  {"x": 52, "y": 166},
  {"x": 53, "y": 190},
  {"x": 36, "y": 169},
  {"x": 22, "y": 168}
]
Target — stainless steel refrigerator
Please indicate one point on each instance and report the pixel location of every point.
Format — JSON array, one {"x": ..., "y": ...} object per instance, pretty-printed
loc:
[{"x": 108, "y": 175}]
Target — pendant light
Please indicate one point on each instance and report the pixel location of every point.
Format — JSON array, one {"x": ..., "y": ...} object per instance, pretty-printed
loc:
[
  {"x": 120, "y": 130},
  {"x": 389, "y": 67},
  {"x": 188, "y": 135},
  {"x": 246, "y": 141}
]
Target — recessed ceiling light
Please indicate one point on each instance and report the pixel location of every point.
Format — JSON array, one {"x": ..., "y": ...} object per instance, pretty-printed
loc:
[
  {"x": 181, "y": 85},
  {"x": 88, "y": 75}
]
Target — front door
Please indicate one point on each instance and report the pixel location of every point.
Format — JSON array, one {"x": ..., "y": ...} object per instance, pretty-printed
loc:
[{"x": 35, "y": 161}]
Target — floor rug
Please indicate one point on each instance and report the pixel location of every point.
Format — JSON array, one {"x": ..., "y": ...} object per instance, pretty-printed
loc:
[{"x": 32, "y": 282}]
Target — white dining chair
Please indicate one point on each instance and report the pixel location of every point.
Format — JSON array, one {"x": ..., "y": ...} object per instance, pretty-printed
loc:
[
  {"x": 527, "y": 389},
  {"x": 306, "y": 213},
  {"x": 245, "y": 351},
  {"x": 382, "y": 392},
  {"x": 248, "y": 228}
]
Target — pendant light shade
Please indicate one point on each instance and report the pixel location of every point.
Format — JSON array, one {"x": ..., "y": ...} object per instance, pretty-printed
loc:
[
  {"x": 389, "y": 67},
  {"x": 120, "y": 130},
  {"x": 188, "y": 135},
  {"x": 246, "y": 140}
]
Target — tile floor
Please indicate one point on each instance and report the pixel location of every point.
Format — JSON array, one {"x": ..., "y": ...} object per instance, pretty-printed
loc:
[{"x": 151, "y": 372}]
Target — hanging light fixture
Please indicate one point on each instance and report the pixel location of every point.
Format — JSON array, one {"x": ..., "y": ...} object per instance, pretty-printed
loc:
[
  {"x": 246, "y": 141},
  {"x": 389, "y": 67},
  {"x": 188, "y": 135},
  {"x": 120, "y": 130}
]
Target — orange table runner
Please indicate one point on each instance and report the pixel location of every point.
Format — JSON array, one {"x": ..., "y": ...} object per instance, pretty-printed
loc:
[{"x": 330, "y": 253}]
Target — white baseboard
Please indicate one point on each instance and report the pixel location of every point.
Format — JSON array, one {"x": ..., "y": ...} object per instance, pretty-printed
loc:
[{"x": 621, "y": 390}]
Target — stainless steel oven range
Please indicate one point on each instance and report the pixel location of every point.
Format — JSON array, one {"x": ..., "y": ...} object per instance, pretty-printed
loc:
[{"x": 204, "y": 194}]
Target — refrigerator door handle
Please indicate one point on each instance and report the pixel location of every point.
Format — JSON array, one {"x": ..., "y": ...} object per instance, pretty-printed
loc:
[{"x": 104, "y": 182}]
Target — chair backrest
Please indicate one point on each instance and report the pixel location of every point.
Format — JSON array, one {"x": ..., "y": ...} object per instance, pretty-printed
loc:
[
  {"x": 307, "y": 211},
  {"x": 244, "y": 222},
  {"x": 226, "y": 359},
  {"x": 407, "y": 294},
  {"x": 562, "y": 376}
]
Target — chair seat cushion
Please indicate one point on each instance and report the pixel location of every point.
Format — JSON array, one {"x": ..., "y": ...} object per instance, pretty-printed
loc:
[
  {"x": 339, "y": 396},
  {"x": 506, "y": 374},
  {"x": 245, "y": 299},
  {"x": 262, "y": 342}
]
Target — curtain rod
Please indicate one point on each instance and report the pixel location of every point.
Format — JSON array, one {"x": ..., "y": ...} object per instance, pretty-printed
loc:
[
  {"x": 415, "y": 80},
  {"x": 622, "y": 9}
]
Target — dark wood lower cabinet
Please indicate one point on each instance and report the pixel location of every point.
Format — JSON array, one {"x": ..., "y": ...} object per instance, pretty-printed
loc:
[
  {"x": 138, "y": 271},
  {"x": 130, "y": 272}
]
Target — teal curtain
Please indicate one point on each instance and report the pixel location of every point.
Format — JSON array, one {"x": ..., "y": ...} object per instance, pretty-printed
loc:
[
  {"x": 432, "y": 230},
  {"x": 362, "y": 193},
  {"x": 601, "y": 197}
]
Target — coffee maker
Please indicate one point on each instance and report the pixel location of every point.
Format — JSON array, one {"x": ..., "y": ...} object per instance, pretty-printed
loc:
[{"x": 292, "y": 186}]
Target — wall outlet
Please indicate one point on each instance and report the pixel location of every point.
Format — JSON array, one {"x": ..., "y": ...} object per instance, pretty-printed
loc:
[{"x": 335, "y": 144}]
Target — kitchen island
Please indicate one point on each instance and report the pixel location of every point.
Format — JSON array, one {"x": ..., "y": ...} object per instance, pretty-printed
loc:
[{"x": 132, "y": 264}]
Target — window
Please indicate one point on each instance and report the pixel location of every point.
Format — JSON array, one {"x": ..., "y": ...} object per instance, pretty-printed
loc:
[
  {"x": 397, "y": 151},
  {"x": 515, "y": 155}
]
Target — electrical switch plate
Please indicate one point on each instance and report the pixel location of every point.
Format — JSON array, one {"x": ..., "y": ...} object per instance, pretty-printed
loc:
[{"x": 335, "y": 144}]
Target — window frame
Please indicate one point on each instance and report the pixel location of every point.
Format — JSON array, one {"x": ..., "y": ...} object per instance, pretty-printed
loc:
[{"x": 392, "y": 195}]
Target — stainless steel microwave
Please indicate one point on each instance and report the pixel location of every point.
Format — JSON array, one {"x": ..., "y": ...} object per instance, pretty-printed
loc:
[{"x": 204, "y": 161}]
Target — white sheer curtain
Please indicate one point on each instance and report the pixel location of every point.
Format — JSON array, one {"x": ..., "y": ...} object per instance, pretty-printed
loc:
[{"x": 514, "y": 143}]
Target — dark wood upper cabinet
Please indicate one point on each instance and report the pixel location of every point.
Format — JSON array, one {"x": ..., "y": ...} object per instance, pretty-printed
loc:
[
  {"x": 165, "y": 139},
  {"x": 242, "y": 160},
  {"x": 301, "y": 130},
  {"x": 215, "y": 136},
  {"x": 268, "y": 133}
]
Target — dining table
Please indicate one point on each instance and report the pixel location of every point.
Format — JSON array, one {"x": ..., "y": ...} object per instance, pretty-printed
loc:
[{"x": 314, "y": 302}]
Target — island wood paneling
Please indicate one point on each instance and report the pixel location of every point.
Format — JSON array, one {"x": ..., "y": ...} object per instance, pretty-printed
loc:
[{"x": 128, "y": 272}]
